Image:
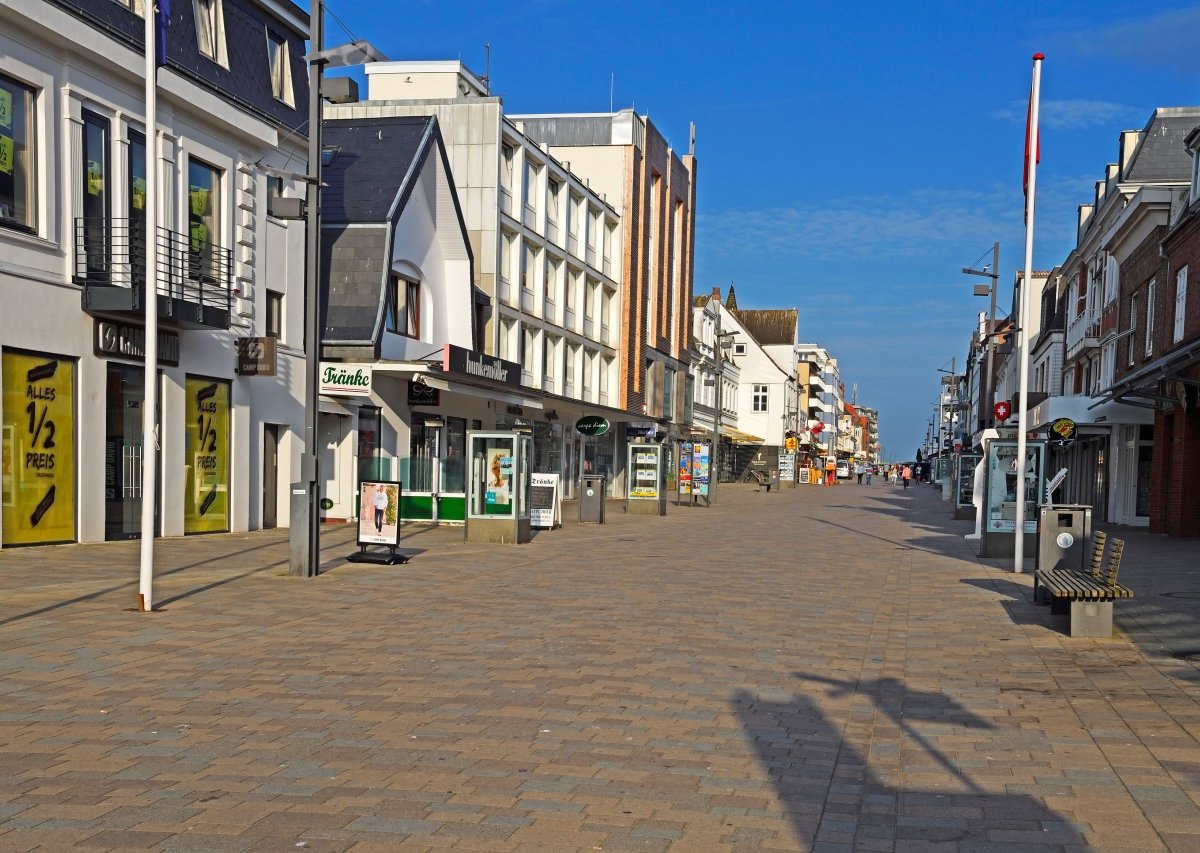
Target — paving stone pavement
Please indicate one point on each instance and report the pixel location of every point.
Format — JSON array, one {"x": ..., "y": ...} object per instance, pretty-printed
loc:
[{"x": 817, "y": 669}]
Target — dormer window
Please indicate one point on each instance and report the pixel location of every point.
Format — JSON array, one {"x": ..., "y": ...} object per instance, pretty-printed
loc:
[
  {"x": 210, "y": 30},
  {"x": 280, "y": 63}
]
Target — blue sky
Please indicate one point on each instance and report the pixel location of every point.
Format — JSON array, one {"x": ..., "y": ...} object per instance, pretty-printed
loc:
[{"x": 853, "y": 156}]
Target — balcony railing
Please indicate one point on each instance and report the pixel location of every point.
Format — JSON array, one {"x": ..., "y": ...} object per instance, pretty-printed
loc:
[
  {"x": 1083, "y": 332},
  {"x": 193, "y": 281}
]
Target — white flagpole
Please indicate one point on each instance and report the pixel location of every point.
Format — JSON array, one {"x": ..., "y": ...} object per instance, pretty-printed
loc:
[
  {"x": 150, "y": 404},
  {"x": 1023, "y": 313}
]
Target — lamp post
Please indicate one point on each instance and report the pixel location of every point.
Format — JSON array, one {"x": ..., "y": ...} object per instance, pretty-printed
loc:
[
  {"x": 986, "y": 394},
  {"x": 305, "y": 539}
]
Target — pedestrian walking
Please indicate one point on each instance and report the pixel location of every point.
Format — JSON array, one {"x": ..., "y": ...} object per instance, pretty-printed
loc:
[
  {"x": 870, "y": 469},
  {"x": 859, "y": 470},
  {"x": 906, "y": 475},
  {"x": 830, "y": 471}
]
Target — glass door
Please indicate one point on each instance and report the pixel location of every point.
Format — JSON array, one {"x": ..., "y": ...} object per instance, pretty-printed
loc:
[{"x": 126, "y": 393}]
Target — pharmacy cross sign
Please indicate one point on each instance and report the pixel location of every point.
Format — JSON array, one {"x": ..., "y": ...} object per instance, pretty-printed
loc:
[{"x": 1002, "y": 410}]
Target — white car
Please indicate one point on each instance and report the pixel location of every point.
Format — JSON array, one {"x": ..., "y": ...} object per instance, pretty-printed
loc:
[{"x": 843, "y": 470}]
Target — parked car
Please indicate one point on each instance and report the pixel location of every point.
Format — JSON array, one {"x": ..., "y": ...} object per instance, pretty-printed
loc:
[{"x": 843, "y": 470}]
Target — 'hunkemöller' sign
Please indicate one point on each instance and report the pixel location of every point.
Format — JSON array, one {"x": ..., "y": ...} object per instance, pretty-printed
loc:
[{"x": 460, "y": 360}]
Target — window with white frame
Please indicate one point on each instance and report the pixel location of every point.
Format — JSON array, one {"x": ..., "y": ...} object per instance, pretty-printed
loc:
[
  {"x": 280, "y": 62},
  {"x": 529, "y": 193},
  {"x": 529, "y": 353},
  {"x": 18, "y": 187},
  {"x": 1133, "y": 320},
  {"x": 739, "y": 349},
  {"x": 606, "y": 374},
  {"x": 759, "y": 399},
  {"x": 403, "y": 314},
  {"x": 1151, "y": 292},
  {"x": 508, "y": 340},
  {"x": 550, "y": 358},
  {"x": 570, "y": 360},
  {"x": 210, "y": 30},
  {"x": 528, "y": 264},
  {"x": 507, "y": 156},
  {"x": 1195, "y": 194},
  {"x": 1112, "y": 280},
  {"x": 507, "y": 242},
  {"x": 570, "y": 296},
  {"x": 553, "y": 190},
  {"x": 550, "y": 278},
  {"x": 1180, "y": 304}
]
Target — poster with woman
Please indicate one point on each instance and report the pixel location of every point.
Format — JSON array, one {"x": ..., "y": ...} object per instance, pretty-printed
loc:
[
  {"x": 500, "y": 469},
  {"x": 378, "y": 512}
]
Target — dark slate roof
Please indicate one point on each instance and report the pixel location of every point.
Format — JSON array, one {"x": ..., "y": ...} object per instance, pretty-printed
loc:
[
  {"x": 247, "y": 80},
  {"x": 1161, "y": 154},
  {"x": 770, "y": 326},
  {"x": 353, "y": 265},
  {"x": 372, "y": 159}
]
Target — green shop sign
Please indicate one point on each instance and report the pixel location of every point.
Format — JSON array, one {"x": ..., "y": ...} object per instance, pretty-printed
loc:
[{"x": 592, "y": 425}]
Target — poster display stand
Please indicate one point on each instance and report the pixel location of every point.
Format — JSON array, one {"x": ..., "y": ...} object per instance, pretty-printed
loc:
[
  {"x": 498, "y": 486},
  {"x": 647, "y": 494},
  {"x": 695, "y": 469},
  {"x": 545, "y": 502},
  {"x": 378, "y": 522}
]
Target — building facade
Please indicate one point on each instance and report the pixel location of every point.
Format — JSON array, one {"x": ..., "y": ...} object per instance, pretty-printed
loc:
[{"x": 72, "y": 278}]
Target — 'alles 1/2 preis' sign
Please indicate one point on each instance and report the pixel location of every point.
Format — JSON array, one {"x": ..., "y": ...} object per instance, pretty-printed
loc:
[{"x": 345, "y": 380}]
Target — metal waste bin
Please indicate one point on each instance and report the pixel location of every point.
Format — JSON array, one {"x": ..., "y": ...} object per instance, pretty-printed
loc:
[
  {"x": 591, "y": 498},
  {"x": 1064, "y": 535}
]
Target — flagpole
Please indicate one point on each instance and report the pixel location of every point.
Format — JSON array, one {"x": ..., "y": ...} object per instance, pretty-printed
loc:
[
  {"x": 150, "y": 299},
  {"x": 1032, "y": 150}
]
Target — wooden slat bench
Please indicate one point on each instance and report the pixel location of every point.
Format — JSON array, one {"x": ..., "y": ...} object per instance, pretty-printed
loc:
[{"x": 1089, "y": 595}]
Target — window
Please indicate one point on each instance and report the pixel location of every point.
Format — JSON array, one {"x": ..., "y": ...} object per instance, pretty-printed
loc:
[
  {"x": 528, "y": 262},
  {"x": 669, "y": 393},
  {"x": 204, "y": 200},
  {"x": 739, "y": 349},
  {"x": 607, "y": 305},
  {"x": 760, "y": 399},
  {"x": 508, "y": 337},
  {"x": 550, "y": 357},
  {"x": 1150, "y": 310},
  {"x": 570, "y": 298},
  {"x": 210, "y": 30},
  {"x": 507, "y": 154},
  {"x": 553, "y": 188},
  {"x": 274, "y": 314},
  {"x": 507, "y": 241},
  {"x": 1133, "y": 319},
  {"x": 1180, "y": 304},
  {"x": 529, "y": 193},
  {"x": 550, "y": 283},
  {"x": 606, "y": 373},
  {"x": 16, "y": 155},
  {"x": 280, "y": 61},
  {"x": 404, "y": 308},
  {"x": 569, "y": 360},
  {"x": 94, "y": 212},
  {"x": 135, "y": 200}
]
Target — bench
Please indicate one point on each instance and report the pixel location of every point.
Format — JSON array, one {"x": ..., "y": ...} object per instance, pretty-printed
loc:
[{"x": 1087, "y": 595}]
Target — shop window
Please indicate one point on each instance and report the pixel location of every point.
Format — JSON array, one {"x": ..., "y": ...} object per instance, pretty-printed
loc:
[
  {"x": 206, "y": 456},
  {"x": 38, "y": 448},
  {"x": 17, "y": 178},
  {"x": 204, "y": 203},
  {"x": 404, "y": 308}
]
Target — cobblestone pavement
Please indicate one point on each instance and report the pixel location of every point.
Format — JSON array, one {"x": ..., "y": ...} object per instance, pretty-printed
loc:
[{"x": 814, "y": 669}]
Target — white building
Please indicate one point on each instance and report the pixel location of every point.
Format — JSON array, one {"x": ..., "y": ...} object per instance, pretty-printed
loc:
[
  {"x": 546, "y": 251},
  {"x": 72, "y": 261},
  {"x": 706, "y": 387}
]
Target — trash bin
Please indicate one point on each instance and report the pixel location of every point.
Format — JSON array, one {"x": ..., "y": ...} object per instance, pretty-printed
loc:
[
  {"x": 1064, "y": 534},
  {"x": 773, "y": 479},
  {"x": 591, "y": 498}
]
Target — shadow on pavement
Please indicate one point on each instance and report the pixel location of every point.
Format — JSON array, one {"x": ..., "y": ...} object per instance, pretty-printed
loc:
[{"x": 832, "y": 795}]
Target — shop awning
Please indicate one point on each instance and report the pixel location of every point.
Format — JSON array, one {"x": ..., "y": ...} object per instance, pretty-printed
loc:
[
  {"x": 330, "y": 407},
  {"x": 739, "y": 437},
  {"x": 455, "y": 387}
]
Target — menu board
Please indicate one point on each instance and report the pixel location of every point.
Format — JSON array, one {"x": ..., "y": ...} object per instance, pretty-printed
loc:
[
  {"x": 545, "y": 508},
  {"x": 38, "y": 449},
  {"x": 206, "y": 456}
]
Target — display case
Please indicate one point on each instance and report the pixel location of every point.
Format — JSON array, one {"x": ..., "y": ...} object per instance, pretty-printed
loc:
[
  {"x": 964, "y": 484},
  {"x": 1000, "y": 496},
  {"x": 647, "y": 493},
  {"x": 498, "y": 487}
]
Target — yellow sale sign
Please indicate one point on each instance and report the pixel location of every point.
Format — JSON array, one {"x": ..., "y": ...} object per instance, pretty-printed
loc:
[
  {"x": 39, "y": 448},
  {"x": 206, "y": 451}
]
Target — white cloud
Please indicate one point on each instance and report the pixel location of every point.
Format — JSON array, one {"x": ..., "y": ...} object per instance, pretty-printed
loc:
[
  {"x": 1165, "y": 40},
  {"x": 1069, "y": 113}
]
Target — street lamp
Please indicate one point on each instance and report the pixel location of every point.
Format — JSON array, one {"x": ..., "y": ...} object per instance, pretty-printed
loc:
[
  {"x": 305, "y": 538},
  {"x": 986, "y": 394}
]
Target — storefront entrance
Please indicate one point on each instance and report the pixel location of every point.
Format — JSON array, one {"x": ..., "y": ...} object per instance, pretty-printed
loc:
[{"x": 126, "y": 394}]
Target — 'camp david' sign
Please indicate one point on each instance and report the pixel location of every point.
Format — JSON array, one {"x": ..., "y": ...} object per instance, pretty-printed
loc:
[{"x": 345, "y": 380}]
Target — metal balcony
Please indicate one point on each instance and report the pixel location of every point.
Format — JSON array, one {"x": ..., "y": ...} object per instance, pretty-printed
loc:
[
  {"x": 1083, "y": 332},
  {"x": 193, "y": 282}
]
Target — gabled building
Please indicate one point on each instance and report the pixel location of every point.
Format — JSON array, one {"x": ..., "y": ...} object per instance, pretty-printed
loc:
[{"x": 231, "y": 101}]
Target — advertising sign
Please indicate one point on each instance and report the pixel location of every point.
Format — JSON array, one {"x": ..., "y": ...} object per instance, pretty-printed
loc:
[
  {"x": 256, "y": 356},
  {"x": 592, "y": 425},
  {"x": 460, "y": 360},
  {"x": 700, "y": 468},
  {"x": 545, "y": 508},
  {"x": 206, "y": 456},
  {"x": 1063, "y": 432},
  {"x": 423, "y": 395},
  {"x": 787, "y": 468},
  {"x": 685, "y": 468},
  {"x": 38, "y": 449},
  {"x": 1003, "y": 476},
  {"x": 379, "y": 512},
  {"x": 345, "y": 380}
]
